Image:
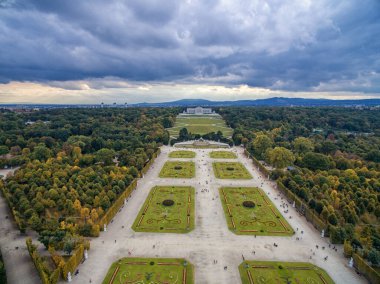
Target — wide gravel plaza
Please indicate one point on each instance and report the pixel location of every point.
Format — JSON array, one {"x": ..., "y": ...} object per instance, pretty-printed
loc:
[{"x": 211, "y": 246}]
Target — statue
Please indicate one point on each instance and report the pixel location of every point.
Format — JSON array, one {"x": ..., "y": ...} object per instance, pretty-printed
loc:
[
  {"x": 105, "y": 228},
  {"x": 69, "y": 277},
  {"x": 85, "y": 254},
  {"x": 323, "y": 233},
  {"x": 351, "y": 262}
]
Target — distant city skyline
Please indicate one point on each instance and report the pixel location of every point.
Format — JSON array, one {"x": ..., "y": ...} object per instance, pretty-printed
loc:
[{"x": 155, "y": 51}]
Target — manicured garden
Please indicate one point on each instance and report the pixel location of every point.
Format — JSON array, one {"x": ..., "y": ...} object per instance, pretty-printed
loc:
[
  {"x": 177, "y": 169},
  {"x": 167, "y": 209},
  {"x": 222, "y": 155},
  {"x": 182, "y": 154},
  {"x": 230, "y": 170},
  {"x": 150, "y": 270},
  {"x": 198, "y": 124},
  {"x": 249, "y": 211},
  {"x": 282, "y": 272}
]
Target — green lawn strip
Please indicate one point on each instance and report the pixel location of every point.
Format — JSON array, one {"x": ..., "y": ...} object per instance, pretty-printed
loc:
[
  {"x": 182, "y": 154},
  {"x": 222, "y": 155},
  {"x": 262, "y": 219},
  {"x": 200, "y": 125},
  {"x": 230, "y": 170},
  {"x": 282, "y": 272},
  {"x": 150, "y": 270},
  {"x": 154, "y": 216},
  {"x": 177, "y": 169}
]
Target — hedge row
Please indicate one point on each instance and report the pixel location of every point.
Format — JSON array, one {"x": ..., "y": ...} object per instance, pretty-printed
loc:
[
  {"x": 72, "y": 263},
  {"x": 145, "y": 169},
  {"x": 112, "y": 211},
  {"x": 361, "y": 265},
  {"x": 257, "y": 163},
  {"x": 304, "y": 209},
  {"x": 43, "y": 271},
  {"x": 16, "y": 216}
]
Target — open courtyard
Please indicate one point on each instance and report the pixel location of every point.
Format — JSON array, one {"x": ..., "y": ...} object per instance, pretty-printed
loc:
[
  {"x": 230, "y": 170},
  {"x": 282, "y": 272},
  {"x": 182, "y": 154},
  {"x": 167, "y": 209},
  {"x": 178, "y": 169},
  {"x": 150, "y": 270},
  {"x": 222, "y": 155},
  {"x": 213, "y": 249},
  {"x": 249, "y": 211}
]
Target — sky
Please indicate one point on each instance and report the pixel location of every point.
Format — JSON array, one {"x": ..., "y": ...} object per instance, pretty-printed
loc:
[{"x": 95, "y": 51}]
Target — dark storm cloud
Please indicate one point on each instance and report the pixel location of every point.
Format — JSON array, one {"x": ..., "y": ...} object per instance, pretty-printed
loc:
[{"x": 285, "y": 45}]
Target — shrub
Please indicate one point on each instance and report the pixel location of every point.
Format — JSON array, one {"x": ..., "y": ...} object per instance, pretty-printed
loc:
[{"x": 168, "y": 202}]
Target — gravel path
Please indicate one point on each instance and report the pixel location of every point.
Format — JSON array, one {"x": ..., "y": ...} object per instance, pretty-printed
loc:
[
  {"x": 18, "y": 264},
  {"x": 211, "y": 240}
]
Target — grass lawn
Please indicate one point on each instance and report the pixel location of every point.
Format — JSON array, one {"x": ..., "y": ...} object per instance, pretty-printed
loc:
[
  {"x": 222, "y": 155},
  {"x": 282, "y": 272},
  {"x": 175, "y": 215},
  {"x": 200, "y": 124},
  {"x": 249, "y": 211},
  {"x": 182, "y": 154},
  {"x": 230, "y": 170},
  {"x": 176, "y": 169},
  {"x": 150, "y": 270}
]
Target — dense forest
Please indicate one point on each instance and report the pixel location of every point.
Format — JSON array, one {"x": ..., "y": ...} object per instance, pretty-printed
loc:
[
  {"x": 74, "y": 165},
  {"x": 329, "y": 157}
]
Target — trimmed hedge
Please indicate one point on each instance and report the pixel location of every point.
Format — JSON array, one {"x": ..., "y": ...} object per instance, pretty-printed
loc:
[
  {"x": 16, "y": 216},
  {"x": 46, "y": 276},
  {"x": 257, "y": 163},
  {"x": 361, "y": 265},
  {"x": 72, "y": 263},
  {"x": 112, "y": 211}
]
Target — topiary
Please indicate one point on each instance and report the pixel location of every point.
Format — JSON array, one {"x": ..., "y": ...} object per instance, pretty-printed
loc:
[
  {"x": 168, "y": 202},
  {"x": 249, "y": 204}
]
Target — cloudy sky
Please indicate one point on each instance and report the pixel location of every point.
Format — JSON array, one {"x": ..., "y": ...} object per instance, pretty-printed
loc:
[{"x": 74, "y": 51}]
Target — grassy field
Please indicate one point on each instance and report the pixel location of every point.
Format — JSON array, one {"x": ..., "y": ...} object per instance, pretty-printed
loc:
[
  {"x": 182, "y": 154},
  {"x": 249, "y": 211},
  {"x": 150, "y": 270},
  {"x": 222, "y": 155},
  {"x": 282, "y": 272},
  {"x": 230, "y": 170},
  {"x": 176, "y": 169},
  {"x": 198, "y": 124},
  {"x": 158, "y": 216}
]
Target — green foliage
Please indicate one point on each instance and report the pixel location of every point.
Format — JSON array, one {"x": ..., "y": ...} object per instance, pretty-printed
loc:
[
  {"x": 280, "y": 157},
  {"x": 337, "y": 165},
  {"x": 260, "y": 145},
  {"x": 3, "y": 276}
]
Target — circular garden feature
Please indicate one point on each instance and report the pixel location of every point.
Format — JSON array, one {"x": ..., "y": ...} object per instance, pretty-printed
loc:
[
  {"x": 168, "y": 202},
  {"x": 249, "y": 204},
  {"x": 178, "y": 168}
]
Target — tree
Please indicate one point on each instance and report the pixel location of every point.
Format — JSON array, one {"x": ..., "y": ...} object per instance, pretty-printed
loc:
[
  {"x": 3, "y": 150},
  {"x": 105, "y": 156},
  {"x": 303, "y": 145},
  {"x": 68, "y": 246},
  {"x": 316, "y": 161},
  {"x": 41, "y": 153},
  {"x": 374, "y": 256},
  {"x": 280, "y": 157},
  {"x": 260, "y": 145}
]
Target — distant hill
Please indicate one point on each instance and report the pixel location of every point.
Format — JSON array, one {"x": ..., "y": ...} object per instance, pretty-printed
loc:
[{"x": 277, "y": 101}]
